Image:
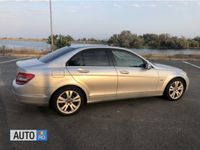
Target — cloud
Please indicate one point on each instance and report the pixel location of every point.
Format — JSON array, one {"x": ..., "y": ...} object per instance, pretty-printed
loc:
[
  {"x": 153, "y": 5},
  {"x": 169, "y": 5},
  {"x": 37, "y": 11},
  {"x": 25, "y": 0},
  {"x": 77, "y": 8},
  {"x": 6, "y": 14},
  {"x": 117, "y": 5},
  {"x": 73, "y": 10},
  {"x": 135, "y": 5},
  {"x": 142, "y": 5}
]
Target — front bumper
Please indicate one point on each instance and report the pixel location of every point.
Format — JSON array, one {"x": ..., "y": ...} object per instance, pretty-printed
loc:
[{"x": 23, "y": 94}]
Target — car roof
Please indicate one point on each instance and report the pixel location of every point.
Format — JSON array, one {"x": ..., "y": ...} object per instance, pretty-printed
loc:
[{"x": 77, "y": 46}]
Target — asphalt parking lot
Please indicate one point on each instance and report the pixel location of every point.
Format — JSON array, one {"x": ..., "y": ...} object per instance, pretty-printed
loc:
[{"x": 141, "y": 124}]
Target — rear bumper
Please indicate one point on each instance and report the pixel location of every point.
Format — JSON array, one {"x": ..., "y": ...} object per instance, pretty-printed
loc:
[{"x": 23, "y": 95}]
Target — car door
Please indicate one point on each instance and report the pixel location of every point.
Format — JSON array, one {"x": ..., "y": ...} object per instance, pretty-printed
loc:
[
  {"x": 93, "y": 69},
  {"x": 133, "y": 79}
]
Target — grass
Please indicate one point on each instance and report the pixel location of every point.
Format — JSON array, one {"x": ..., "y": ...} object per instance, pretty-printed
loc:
[
  {"x": 172, "y": 57},
  {"x": 21, "y": 52}
]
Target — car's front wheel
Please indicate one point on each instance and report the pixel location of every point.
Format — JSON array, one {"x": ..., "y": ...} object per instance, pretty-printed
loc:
[
  {"x": 175, "y": 89},
  {"x": 68, "y": 100}
]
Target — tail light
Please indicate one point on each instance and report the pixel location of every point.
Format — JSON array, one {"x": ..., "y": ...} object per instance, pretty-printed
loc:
[{"x": 23, "y": 78}]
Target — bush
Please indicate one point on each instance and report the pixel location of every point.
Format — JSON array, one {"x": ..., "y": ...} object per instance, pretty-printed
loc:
[
  {"x": 60, "y": 41},
  {"x": 153, "y": 41},
  {"x": 3, "y": 49}
]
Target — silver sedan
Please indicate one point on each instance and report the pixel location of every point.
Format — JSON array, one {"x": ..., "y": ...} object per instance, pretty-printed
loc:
[{"x": 70, "y": 77}]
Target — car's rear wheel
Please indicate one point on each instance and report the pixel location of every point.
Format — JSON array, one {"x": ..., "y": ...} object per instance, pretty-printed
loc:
[
  {"x": 68, "y": 100},
  {"x": 175, "y": 89}
]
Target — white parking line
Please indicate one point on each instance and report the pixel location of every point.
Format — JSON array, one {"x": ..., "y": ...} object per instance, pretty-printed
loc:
[
  {"x": 7, "y": 61},
  {"x": 1, "y": 83},
  {"x": 191, "y": 64}
]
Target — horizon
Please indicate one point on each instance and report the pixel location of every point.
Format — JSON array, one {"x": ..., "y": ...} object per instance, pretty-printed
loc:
[
  {"x": 99, "y": 19},
  {"x": 88, "y": 38}
]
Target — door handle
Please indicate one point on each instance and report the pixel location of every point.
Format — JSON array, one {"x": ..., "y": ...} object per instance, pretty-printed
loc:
[
  {"x": 81, "y": 70},
  {"x": 124, "y": 72}
]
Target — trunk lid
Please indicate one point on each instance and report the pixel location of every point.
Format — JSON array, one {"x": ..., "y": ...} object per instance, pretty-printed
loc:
[{"x": 29, "y": 63}]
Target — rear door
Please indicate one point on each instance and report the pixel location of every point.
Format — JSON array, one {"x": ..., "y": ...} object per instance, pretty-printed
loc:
[{"x": 93, "y": 69}]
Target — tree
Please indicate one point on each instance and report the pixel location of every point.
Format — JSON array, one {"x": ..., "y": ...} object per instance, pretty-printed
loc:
[
  {"x": 182, "y": 43},
  {"x": 113, "y": 40},
  {"x": 60, "y": 40},
  {"x": 136, "y": 41},
  {"x": 197, "y": 39},
  {"x": 151, "y": 40},
  {"x": 3, "y": 49},
  {"x": 193, "y": 43},
  {"x": 164, "y": 41},
  {"x": 125, "y": 38},
  {"x": 130, "y": 40}
]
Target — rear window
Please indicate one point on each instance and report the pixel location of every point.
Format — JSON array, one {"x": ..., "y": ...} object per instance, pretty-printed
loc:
[
  {"x": 54, "y": 55},
  {"x": 95, "y": 57},
  {"x": 90, "y": 57}
]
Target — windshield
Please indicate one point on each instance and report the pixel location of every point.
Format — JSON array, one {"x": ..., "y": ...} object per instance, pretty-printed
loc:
[{"x": 54, "y": 55}]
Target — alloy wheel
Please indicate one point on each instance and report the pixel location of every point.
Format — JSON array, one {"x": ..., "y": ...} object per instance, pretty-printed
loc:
[
  {"x": 176, "y": 90},
  {"x": 68, "y": 102}
]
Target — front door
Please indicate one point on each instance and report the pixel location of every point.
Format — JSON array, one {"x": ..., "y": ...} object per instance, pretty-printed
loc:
[{"x": 133, "y": 79}]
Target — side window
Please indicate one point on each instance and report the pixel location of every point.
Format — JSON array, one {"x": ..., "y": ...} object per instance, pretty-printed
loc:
[
  {"x": 76, "y": 60},
  {"x": 127, "y": 59},
  {"x": 95, "y": 57},
  {"x": 90, "y": 57}
]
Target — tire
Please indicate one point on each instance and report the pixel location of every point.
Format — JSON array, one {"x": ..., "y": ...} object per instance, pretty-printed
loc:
[
  {"x": 67, "y": 101},
  {"x": 175, "y": 89}
]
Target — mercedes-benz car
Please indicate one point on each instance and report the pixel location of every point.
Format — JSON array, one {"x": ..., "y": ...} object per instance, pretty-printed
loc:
[{"x": 70, "y": 77}]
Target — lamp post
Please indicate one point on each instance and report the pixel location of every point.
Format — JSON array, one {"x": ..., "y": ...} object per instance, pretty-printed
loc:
[{"x": 51, "y": 26}]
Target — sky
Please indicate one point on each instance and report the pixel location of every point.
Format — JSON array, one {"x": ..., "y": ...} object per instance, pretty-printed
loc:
[{"x": 98, "y": 19}]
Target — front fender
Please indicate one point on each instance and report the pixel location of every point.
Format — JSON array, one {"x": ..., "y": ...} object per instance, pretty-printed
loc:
[{"x": 165, "y": 79}]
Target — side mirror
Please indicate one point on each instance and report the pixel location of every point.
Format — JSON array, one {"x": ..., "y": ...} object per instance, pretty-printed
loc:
[{"x": 147, "y": 66}]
